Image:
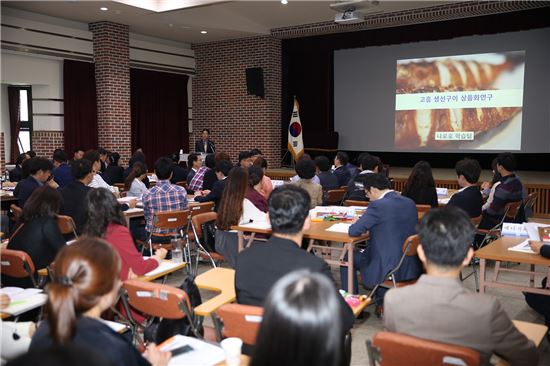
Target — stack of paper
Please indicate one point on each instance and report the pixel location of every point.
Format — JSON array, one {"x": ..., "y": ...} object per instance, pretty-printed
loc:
[
  {"x": 202, "y": 353},
  {"x": 442, "y": 191},
  {"x": 339, "y": 228},
  {"x": 522, "y": 247}
]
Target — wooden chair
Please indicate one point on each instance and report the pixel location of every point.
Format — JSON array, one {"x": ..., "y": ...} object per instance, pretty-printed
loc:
[
  {"x": 18, "y": 264},
  {"x": 409, "y": 249},
  {"x": 356, "y": 203},
  {"x": 17, "y": 212},
  {"x": 201, "y": 208},
  {"x": 182, "y": 183},
  {"x": 156, "y": 300},
  {"x": 530, "y": 203},
  {"x": 511, "y": 210},
  {"x": 66, "y": 225},
  {"x": 335, "y": 196},
  {"x": 177, "y": 222},
  {"x": 202, "y": 251},
  {"x": 120, "y": 186},
  {"x": 395, "y": 349},
  {"x": 241, "y": 321}
]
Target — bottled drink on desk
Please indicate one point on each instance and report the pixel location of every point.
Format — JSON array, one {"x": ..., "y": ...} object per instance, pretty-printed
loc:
[{"x": 177, "y": 251}]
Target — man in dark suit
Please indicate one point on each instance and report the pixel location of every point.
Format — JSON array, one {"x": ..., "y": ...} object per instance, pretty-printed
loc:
[
  {"x": 327, "y": 179},
  {"x": 178, "y": 174},
  {"x": 205, "y": 145},
  {"x": 62, "y": 171},
  {"x": 390, "y": 219},
  {"x": 74, "y": 194},
  {"x": 340, "y": 170},
  {"x": 469, "y": 196},
  {"x": 40, "y": 173},
  {"x": 222, "y": 171},
  {"x": 259, "y": 267},
  {"x": 368, "y": 164}
]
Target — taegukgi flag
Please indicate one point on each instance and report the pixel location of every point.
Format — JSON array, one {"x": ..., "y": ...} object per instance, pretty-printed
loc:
[{"x": 295, "y": 140}]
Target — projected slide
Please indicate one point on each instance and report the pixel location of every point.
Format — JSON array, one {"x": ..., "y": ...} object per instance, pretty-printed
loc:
[{"x": 471, "y": 102}]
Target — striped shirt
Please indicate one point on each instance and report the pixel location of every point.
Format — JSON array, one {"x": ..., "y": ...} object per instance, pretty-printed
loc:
[
  {"x": 160, "y": 198},
  {"x": 198, "y": 179},
  {"x": 509, "y": 190}
]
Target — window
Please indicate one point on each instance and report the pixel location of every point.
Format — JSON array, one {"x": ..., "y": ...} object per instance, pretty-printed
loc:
[{"x": 24, "y": 140}]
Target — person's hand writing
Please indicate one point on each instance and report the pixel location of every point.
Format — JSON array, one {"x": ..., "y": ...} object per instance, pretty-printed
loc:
[
  {"x": 160, "y": 254},
  {"x": 4, "y": 301},
  {"x": 536, "y": 245},
  {"x": 132, "y": 203},
  {"x": 485, "y": 185},
  {"x": 52, "y": 184},
  {"x": 156, "y": 357}
]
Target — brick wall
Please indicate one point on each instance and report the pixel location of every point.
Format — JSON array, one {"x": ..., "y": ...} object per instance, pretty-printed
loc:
[
  {"x": 112, "y": 75},
  {"x": 45, "y": 142},
  {"x": 2, "y": 153},
  {"x": 220, "y": 102}
]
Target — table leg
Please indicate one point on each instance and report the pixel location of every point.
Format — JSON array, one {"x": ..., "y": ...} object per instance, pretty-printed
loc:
[
  {"x": 481, "y": 275},
  {"x": 532, "y": 277},
  {"x": 351, "y": 272},
  {"x": 240, "y": 240}
]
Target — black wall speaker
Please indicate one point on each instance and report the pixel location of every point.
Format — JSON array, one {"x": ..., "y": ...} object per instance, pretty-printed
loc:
[{"x": 255, "y": 81}]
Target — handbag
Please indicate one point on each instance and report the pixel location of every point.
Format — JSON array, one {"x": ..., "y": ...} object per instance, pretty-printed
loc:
[{"x": 209, "y": 236}]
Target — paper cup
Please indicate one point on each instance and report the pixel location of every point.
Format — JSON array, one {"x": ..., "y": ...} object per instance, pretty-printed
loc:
[{"x": 232, "y": 348}]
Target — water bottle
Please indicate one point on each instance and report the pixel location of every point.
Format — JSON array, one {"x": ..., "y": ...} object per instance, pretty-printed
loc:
[
  {"x": 181, "y": 155},
  {"x": 177, "y": 252}
]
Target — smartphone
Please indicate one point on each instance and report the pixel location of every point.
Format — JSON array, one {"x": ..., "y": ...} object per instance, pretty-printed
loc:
[{"x": 181, "y": 350}]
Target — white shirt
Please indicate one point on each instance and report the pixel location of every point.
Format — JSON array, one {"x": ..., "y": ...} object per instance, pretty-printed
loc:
[
  {"x": 251, "y": 213},
  {"x": 98, "y": 182},
  {"x": 137, "y": 188}
]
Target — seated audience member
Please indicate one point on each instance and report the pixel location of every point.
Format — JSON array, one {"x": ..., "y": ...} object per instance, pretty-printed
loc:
[
  {"x": 255, "y": 175},
  {"x": 38, "y": 235},
  {"x": 40, "y": 173},
  {"x": 97, "y": 181},
  {"x": 210, "y": 176},
  {"x": 138, "y": 155},
  {"x": 295, "y": 178},
  {"x": 198, "y": 178},
  {"x": 420, "y": 186},
  {"x": 164, "y": 196},
  {"x": 103, "y": 158},
  {"x": 340, "y": 170},
  {"x": 104, "y": 220},
  {"x": 327, "y": 180},
  {"x": 234, "y": 209},
  {"x": 244, "y": 159},
  {"x": 352, "y": 169},
  {"x": 299, "y": 318},
  {"x": 74, "y": 195},
  {"x": 368, "y": 164},
  {"x": 31, "y": 154},
  {"x": 437, "y": 307},
  {"x": 509, "y": 190},
  {"x": 179, "y": 174},
  {"x": 468, "y": 197},
  {"x": 78, "y": 153},
  {"x": 266, "y": 184},
  {"x": 16, "y": 174},
  {"x": 134, "y": 181},
  {"x": 306, "y": 171},
  {"x": 113, "y": 173},
  {"x": 540, "y": 303},
  {"x": 259, "y": 267},
  {"x": 194, "y": 163},
  {"x": 62, "y": 171},
  {"x": 215, "y": 195},
  {"x": 87, "y": 283},
  {"x": 390, "y": 219},
  {"x": 488, "y": 188},
  {"x": 256, "y": 153}
]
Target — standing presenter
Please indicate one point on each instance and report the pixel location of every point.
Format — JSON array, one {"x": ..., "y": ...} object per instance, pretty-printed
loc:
[{"x": 205, "y": 145}]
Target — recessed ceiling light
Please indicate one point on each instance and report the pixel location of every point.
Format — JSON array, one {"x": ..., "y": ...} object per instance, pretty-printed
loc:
[
  {"x": 170, "y": 24},
  {"x": 204, "y": 32},
  {"x": 103, "y": 8},
  {"x": 284, "y": 2}
]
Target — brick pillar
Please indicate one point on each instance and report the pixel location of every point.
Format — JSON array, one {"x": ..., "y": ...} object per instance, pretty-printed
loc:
[{"x": 112, "y": 77}]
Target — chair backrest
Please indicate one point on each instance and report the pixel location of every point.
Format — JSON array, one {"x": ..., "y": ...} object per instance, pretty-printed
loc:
[
  {"x": 335, "y": 196},
  {"x": 530, "y": 201},
  {"x": 66, "y": 225},
  {"x": 171, "y": 220},
  {"x": 423, "y": 208},
  {"x": 511, "y": 209},
  {"x": 410, "y": 246},
  {"x": 200, "y": 219},
  {"x": 395, "y": 349},
  {"x": 158, "y": 300},
  {"x": 241, "y": 321},
  {"x": 16, "y": 263},
  {"x": 182, "y": 183},
  {"x": 201, "y": 208},
  {"x": 356, "y": 203},
  {"x": 120, "y": 186},
  {"x": 17, "y": 212}
]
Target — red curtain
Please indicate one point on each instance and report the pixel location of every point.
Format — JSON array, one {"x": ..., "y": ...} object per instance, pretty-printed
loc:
[
  {"x": 80, "y": 107},
  {"x": 159, "y": 113},
  {"x": 15, "y": 123}
]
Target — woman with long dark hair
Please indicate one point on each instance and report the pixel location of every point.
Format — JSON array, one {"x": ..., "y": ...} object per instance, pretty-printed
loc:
[
  {"x": 134, "y": 181},
  {"x": 234, "y": 209},
  {"x": 113, "y": 173},
  {"x": 300, "y": 325},
  {"x": 104, "y": 220},
  {"x": 86, "y": 283},
  {"x": 420, "y": 186},
  {"x": 38, "y": 235}
]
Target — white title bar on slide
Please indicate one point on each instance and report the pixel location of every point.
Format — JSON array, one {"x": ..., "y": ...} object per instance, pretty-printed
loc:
[{"x": 462, "y": 99}]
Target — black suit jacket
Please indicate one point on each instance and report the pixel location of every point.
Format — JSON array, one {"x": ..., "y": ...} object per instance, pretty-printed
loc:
[
  {"x": 16, "y": 174},
  {"x": 423, "y": 196},
  {"x": 178, "y": 174},
  {"x": 215, "y": 194},
  {"x": 199, "y": 147},
  {"x": 113, "y": 174},
  {"x": 24, "y": 189},
  {"x": 260, "y": 266},
  {"x": 469, "y": 200},
  {"x": 343, "y": 175},
  {"x": 328, "y": 180},
  {"x": 74, "y": 199}
]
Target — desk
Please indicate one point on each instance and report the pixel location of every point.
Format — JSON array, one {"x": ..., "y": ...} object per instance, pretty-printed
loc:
[
  {"x": 533, "y": 332},
  {"x": 317, "y": 231},
  {"x": 164, "y": 269},
  {"x": 245, "y": 361},
  {"x": 218, "y": 279},
  {"x": 443, "y": 200},
  {"x": 498, "y": 252},
  {"x": 22, "y": 306}
]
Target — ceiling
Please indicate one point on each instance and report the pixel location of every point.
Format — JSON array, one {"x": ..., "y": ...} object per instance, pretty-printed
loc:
[{"x": 222, "y": 20}]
